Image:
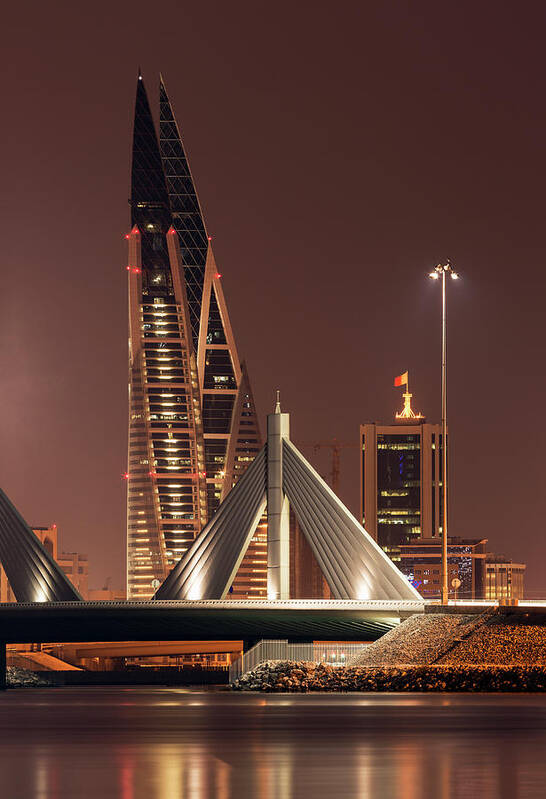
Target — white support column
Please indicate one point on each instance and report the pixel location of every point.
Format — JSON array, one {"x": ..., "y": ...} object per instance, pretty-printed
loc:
[{"x": 278, "y": 535}]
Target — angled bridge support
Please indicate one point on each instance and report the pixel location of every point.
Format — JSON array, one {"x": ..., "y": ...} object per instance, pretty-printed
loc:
[
  {"x": 354, "y": 566},
  {"x": 33, "y": 574}
]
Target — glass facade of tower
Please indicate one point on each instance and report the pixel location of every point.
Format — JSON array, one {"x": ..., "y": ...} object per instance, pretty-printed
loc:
[
  {"x": 186, "y": 387},
  {"x": 401, "y": 488}
]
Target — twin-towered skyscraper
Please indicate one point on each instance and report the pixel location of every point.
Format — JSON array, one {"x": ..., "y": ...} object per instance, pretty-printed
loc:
[{"x": 192, "y": 422}]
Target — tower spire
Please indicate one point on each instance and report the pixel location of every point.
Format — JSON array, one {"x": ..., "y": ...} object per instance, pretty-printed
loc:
[{"x": 148, "y": 189}]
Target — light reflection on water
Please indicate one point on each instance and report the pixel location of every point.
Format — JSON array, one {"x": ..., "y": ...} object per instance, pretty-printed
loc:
[{"x": 169, "y": 743}]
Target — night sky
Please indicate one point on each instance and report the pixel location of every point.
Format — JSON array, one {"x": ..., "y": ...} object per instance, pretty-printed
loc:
[{"x": 340, "y": 151}]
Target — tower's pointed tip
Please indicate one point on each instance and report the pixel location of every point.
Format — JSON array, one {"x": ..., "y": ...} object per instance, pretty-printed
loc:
[
  {"x": 278, "y": 402},
  {"x": 163, "y": 89},
  {"x": 139, "y": 73}
]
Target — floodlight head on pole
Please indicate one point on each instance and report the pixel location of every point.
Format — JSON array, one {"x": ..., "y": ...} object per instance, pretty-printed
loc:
[{"x": 443, "y": 269}]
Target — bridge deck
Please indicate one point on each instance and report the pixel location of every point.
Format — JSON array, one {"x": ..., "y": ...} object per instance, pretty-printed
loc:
[{"x": 297, "y": 620}]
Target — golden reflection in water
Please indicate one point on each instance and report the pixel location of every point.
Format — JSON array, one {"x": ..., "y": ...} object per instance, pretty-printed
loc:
[
  {"x": 273, "y": 757},
  {"x": 273, "y": 775},
  {"x": 221, "y": 779},
  {"x": 174, "y": 771},
  {"x": 445, "y": 762},
  {"x": 169, "y": 762},
  {"x": 409, "y": 776},
  {"x": 41, "y": 782},
  {"x": 363, "y": 768}
]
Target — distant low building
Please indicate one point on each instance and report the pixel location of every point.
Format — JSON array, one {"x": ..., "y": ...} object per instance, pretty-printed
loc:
[
  {"x": 76, "y": 567},
  {"x": 421, "y": 562},
  {"x": 503, "y": 578},
  {"x": 74, "y": 564}
]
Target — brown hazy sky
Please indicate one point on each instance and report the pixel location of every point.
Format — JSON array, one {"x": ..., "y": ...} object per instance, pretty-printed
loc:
[{"x": 340, "y": 151}]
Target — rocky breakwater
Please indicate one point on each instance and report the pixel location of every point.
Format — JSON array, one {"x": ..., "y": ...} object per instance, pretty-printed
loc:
[
  {"x": 498, "y": 650},
  {"x": 280, "y": 676},
  {"x": 22, "y": 678}
]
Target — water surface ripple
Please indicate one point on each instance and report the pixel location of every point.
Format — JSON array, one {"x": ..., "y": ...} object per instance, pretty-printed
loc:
[{"x": 170, "y": 743}]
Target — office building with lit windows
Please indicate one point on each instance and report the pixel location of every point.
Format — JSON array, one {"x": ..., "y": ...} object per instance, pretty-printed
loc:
[
  {"x": 193, "y": 428},
  {"x": 401, "y": 481},
  {"x": 504, "y": 579},
  {"x": 421, "y": 562}
]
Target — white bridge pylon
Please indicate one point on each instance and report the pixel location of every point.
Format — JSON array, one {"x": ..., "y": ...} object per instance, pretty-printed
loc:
[{"x": 354, "y": 566}]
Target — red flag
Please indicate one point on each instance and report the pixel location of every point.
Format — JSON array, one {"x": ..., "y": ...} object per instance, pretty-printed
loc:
[{"x": 401, "y": 380}]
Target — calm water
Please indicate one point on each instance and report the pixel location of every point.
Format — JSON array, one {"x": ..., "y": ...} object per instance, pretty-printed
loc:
[{"x": 162, "y": 743}]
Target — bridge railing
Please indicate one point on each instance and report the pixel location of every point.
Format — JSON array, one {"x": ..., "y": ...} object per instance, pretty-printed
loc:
[{"x": 335, "y": 654}]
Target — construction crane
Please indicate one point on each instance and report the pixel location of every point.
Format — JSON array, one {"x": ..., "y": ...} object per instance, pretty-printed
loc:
[{"x": 336, "y": 447}]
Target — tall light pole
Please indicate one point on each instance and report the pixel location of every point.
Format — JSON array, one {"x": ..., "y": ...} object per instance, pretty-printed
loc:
[{"x": 442, "y": 271}]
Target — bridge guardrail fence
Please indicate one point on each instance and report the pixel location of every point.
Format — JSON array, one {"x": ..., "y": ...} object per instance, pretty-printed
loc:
[{"x": 335, "y": 654}]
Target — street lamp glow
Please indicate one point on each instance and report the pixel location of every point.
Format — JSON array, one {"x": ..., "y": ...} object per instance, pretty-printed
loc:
[{"x": 443, "y": 270}]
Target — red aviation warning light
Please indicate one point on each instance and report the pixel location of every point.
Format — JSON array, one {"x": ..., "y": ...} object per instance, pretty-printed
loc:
[
  {"x": 218, "y": 275},
  {"x": 171, "y": 231},
  {"x": 125, "y": 475},
  {"x": 127, "y": 235}
]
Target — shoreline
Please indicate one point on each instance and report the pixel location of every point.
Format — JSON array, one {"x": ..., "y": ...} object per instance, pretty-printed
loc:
[{"x": 306, "y": 677}]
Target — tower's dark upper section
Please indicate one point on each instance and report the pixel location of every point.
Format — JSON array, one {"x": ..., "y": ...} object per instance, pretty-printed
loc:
[
  {"x": 149, "y": 199},
  {"x": 186, "y": 211}
]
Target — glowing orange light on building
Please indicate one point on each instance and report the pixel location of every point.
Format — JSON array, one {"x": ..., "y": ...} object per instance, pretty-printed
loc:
[{"x": 407, "y": 412}]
